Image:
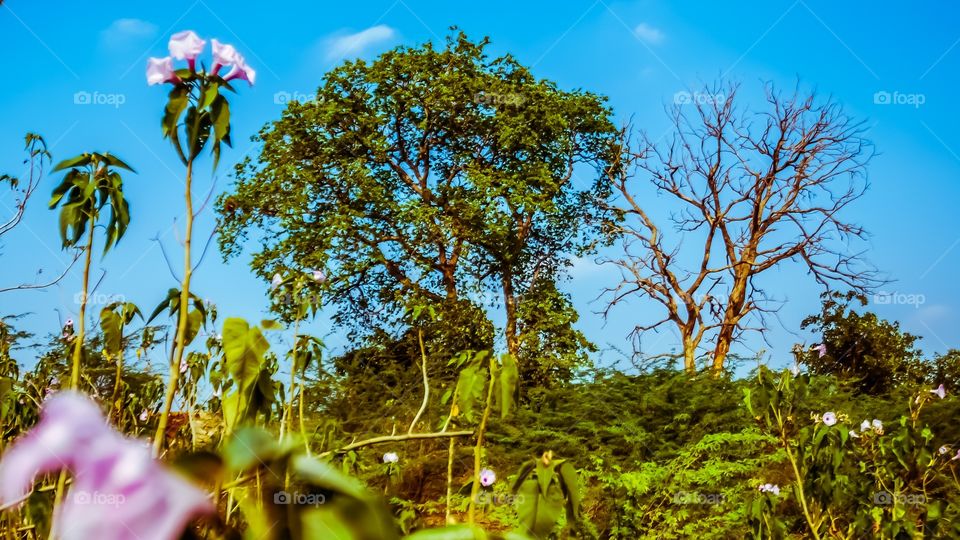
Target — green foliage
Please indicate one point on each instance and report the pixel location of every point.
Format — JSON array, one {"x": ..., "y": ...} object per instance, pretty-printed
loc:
[
  {"x": 90, "y": 184},
  {"x": 892, "y": 480},
  {"x": 425, "y": 176},
  {"x": 862, "y": 347}
]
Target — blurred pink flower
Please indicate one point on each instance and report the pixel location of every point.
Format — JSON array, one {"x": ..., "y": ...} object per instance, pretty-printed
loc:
[
  {"x": 118, "y": 492},
  {"x": 160, "y": 70},
  {"x": 186, "y": 45},
  {"x": 940, "y": 391},
  {"x": 821, "y": 349}
]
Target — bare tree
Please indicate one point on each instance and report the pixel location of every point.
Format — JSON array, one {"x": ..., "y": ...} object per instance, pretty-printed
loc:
[
  {"x": 23, "y": 188},
  {"x": 754, "y": 190}
]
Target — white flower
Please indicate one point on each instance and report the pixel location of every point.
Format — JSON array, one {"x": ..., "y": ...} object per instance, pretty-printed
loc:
[
  {"x": 877, "y": 426},
  {"x": 943, "y": 450},
  {"x": 319, "y": 276},
  {"x": 865, "y": 425},
  {"x": 770, "y": 488},
  {"x": 391, "y": 457},
  {"x": 277, "y": 280},
  {"x": 144, "y": 415},
  {"x": 160, "y": 70},
  {"x": 186, "y": 45},
  {"x": 829, "y": 418},
  {"x": 940, "y": 391},
  {"x": 853, "y": 434}
]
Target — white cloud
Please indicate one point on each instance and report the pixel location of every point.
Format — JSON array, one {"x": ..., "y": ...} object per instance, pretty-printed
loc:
[
  {"x": 122, "y": 32},
  {"x": 649, "y": 33},
  {"x": 352, "y": 45}
]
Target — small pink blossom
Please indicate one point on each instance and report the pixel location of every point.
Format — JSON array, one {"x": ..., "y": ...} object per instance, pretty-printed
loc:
[
  {"x": 242, "y": 71},
  {"x": 144, "y": 414},
  {"x": 487, "y": 477},
  {"x": 821, "y": 349},
  {"x": 940, "y": 391},
  {"x": 160, "y": 70},
  {"x": 136, "y": 497}
]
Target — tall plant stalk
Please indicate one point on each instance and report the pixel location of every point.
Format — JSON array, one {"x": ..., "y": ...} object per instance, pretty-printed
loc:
[
  {"x": 478, "y": 448},
  {"x": 182, "y": 319}
]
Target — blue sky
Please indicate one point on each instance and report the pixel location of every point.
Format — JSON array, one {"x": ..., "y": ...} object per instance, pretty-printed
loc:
[{"x": 639, "y": 53}]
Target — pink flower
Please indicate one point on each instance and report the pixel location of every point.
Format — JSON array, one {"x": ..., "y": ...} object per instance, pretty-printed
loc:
[
  {"x": 241, "y": 70},
  {"x": 160, "y": 70},
  {"x": 118, "y": 490},
  {"x": 940, "y": 391},
  {"x": 319, "y": 276},
  {"x": 144, "y": 415},
  {"x": 186, "y": 45},
  {"x": 821, "y": 349},
  {"x": 223, "y": 55},
  {"x": 487, "y": 477},
  {"x": 183, "y": 366}
]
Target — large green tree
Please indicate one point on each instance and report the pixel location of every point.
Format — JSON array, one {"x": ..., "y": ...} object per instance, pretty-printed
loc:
[{"x": 430, "y": 175}]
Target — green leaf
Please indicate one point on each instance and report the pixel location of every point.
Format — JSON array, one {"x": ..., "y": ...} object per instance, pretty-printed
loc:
[
  {"x": 470, "y": 387},
  {"x": 509, "y": 375},
  {"x": 243, "y": 348},
  {"x": 248, "y": 448}
]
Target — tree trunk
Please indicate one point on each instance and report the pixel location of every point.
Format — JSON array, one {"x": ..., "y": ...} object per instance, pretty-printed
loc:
[
  {"x": 689, "y": 356},
  {"x": 510, "y": 305},
  {"x": 731, "y": 318}
]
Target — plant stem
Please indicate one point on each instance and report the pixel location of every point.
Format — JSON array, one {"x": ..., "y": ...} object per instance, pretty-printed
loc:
[
  {"x": 77, "y": 355},
  {"x": 426, "y": 383},
  {"x": 478, "y": 449},
  {"x": 81, "y": 326},
  {"x": 183, "y": 318},
  {"x": 287, "y": 423}
]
